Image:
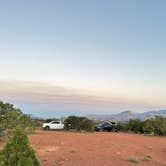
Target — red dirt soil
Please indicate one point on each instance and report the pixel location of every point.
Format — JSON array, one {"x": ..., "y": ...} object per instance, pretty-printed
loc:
[{"x": 97, "y": 149}]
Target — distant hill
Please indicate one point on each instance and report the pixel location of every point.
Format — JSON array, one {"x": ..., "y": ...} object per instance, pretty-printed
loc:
[{"x": 127, "y": 115}]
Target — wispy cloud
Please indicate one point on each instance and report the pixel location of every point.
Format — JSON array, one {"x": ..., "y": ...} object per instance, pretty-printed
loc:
[{"x": 47, "y": 96}]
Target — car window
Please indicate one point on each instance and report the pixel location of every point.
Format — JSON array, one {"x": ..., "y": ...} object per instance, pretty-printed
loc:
[
  {"x": 55, "y": 122},
  {"x": 106, "y": 125}
]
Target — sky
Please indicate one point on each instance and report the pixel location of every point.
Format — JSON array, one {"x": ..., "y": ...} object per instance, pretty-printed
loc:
[{"x": 83, "y": 57}]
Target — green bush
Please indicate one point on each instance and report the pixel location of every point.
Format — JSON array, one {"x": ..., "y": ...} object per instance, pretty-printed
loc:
[
  {"x": 6, "y": 107},
  {"x": 16, "y": 119},
  {"x": 135, "y": 125},
  {"x": 17, "y": 151},
  {"x": 122, "y": 126},
  {"x": 12, "y": 118},
  {"x": 153, "y": 126},
  {"x": 87, "y": 125},
  {"x": 79, "y": 123}
]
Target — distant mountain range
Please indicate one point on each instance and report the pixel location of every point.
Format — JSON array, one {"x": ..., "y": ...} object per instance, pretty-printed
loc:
[{"x": 127, "y": 115}]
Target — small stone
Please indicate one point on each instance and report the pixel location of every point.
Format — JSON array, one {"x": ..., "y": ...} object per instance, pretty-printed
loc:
[
  {"x": 60, "y": 162},
  {"x": 118, "y": 153}
]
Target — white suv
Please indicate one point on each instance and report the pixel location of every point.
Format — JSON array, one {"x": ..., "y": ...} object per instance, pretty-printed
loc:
[{"x": 53, "y": 125}]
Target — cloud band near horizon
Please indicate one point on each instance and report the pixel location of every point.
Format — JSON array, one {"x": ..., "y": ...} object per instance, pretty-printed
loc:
[{"x": 36, "y": 96}]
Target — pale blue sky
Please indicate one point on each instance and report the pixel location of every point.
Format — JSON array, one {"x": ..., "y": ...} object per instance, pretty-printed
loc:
[{"x": 112, "y": 48}]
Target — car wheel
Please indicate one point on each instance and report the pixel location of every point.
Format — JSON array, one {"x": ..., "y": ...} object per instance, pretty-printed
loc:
[
  {"x": 47, "y": 128},
  {"x": 101, "y": 130},
  {"x": 115, "y": 130}
]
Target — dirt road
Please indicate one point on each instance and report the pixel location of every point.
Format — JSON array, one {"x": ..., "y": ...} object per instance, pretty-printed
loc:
[{"x": 97, "y": 149}]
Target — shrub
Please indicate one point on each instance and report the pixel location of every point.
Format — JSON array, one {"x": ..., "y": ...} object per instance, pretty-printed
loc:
[
  {"x": 11, "y": 118},
  {"x": 6, "y": 107},
  {"x": 87, "y": 125},
  {"x": 135, "y": 125},
  {"x": 156, "y": 126},
  {"x": 17, "y": 151},
  {"x": 133, "y": 159},
  {"x": 16, "y": 119},
  {"x": 153, "y": 126},
  {"x": 122, "y": 126},
  {"x": 79, "y": 123}
]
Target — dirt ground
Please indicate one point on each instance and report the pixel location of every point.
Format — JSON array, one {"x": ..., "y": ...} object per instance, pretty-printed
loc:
[{"x": 97, "y": 149}]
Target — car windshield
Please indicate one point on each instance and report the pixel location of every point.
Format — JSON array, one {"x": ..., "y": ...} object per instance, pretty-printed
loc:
[{"x": 100, "y": 124}]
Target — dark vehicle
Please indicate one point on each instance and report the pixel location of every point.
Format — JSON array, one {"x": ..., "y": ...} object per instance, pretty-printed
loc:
[{"x": 106, "y": 126}]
